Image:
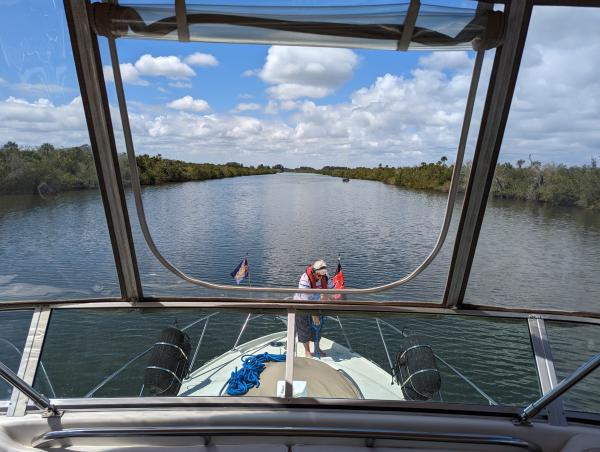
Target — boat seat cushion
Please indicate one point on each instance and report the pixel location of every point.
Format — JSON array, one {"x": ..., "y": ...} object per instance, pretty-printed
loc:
[{"x": 322, "y": 380}]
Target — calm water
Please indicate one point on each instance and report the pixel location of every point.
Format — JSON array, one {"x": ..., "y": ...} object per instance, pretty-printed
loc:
[{"x": 528, "y": 255}]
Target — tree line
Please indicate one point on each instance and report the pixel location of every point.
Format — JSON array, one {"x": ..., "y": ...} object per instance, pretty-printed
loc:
[
  {"x": 554, "y": 184},
  {"x": 49, "y": 170}
]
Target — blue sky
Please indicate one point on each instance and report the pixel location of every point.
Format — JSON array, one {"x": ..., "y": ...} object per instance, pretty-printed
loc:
[{"x": 302, "y": 106}]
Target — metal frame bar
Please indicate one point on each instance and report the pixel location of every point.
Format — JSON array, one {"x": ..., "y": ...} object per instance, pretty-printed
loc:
[
  {"x": 533, "y": 409},
  {"x": 495, "y": 114},
  {"x": 39, "y": 400},
  {"x": 409, "y": 25},
  {"x": 276, "y": 402},
  {"x": 97, "y": 112},
  {"x": 398, "y": 307},
  {"x": 449, "y": 366},
  {"x": 139, "y": 204},
  {"x": 30, "y": 358},
  {"x": 291, "y": 354},
  {"x": 545, "y": 367},
  {"x": 56, "y": 437}
]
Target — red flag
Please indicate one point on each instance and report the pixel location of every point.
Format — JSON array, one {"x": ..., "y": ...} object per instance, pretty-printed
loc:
[{"x": 338, "y": 282}]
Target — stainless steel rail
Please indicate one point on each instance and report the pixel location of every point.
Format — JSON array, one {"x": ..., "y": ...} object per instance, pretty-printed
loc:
[
  {"x": 139, "y": 355},
  {"x": 38, "y": 399},
  {"x": 343, "y": 332},
  {"x": 458, "y": 373},
  {"x": 139, "y": 204},
  {"x": 385, "y": 347},
  {"x": 52, "y": 438},
  {"x": 42, "y": 367},
  {"x": 198, "y": 345},
  {"x": 559, "y": 390},
  {"x": 250, "y": 317},
  {"x": 88, "y": 65},
  {"x": 237, "y": 341}
]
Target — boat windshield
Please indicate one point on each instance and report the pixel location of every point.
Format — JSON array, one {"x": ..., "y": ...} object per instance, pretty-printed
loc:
[{"x": 204, "y": 202}]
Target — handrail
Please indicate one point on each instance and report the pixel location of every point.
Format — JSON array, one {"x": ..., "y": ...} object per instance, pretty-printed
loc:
[
  {"x": 191, "y": 366},
  {"x": 385, "y": 347},
  {"x": 42, "y": 367},
  {"x": 68, "y": 435},
  {"x": 38, "y": 399},
  {"x": 249, "y": 318},
  {"x": 490, "y": 400},
  {"x": 138, "y": 356},
  {"x": 344, "y": 333},
  {"x": 534, "y": 408}
]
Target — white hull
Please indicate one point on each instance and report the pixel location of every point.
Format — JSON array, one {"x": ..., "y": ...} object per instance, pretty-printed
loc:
[{"x": 371, "y": 380}]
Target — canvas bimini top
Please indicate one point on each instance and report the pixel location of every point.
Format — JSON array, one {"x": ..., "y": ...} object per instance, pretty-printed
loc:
[{"x": 377, "y": 25}]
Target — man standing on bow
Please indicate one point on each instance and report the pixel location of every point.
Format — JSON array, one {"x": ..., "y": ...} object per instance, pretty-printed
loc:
[{"x": 315, "y": 277}]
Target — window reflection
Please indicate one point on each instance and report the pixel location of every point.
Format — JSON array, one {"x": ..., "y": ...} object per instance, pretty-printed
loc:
[
  {"x": 14, "y": 326},
  {"x": 572, "y": 345},
  {"x": 202, "y": 352}
]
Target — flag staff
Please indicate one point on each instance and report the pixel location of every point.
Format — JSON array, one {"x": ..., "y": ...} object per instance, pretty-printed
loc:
[{"x": 248, "y": 262}]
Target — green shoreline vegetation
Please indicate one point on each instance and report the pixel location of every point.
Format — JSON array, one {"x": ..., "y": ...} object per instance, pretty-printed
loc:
[
  {"x": 554, "y": 184},
  {"x": 49, "y": 170}
]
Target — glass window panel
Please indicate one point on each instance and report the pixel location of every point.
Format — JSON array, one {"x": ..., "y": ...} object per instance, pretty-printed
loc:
[
  {"x": 540, "y": 240},
  {"x": 53, "y": 236},
  {"x": 84, "y": 347},
  {"x": 280, "y": 240},
  {"x": 285, "y": 221},
  {"x": 14, "y": 326},
  {"x": 572, "y": 345},
  {"x": 492, "y": 354}
]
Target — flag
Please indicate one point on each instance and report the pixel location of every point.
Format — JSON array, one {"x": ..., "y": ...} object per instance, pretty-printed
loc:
[
  {"x": 241, "y": 272},
  {"x": 338, "y": 282},
  {"x": 338, "y": 278}
]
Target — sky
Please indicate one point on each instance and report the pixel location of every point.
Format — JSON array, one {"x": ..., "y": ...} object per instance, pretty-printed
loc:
[{"x": 303, "y": 106}]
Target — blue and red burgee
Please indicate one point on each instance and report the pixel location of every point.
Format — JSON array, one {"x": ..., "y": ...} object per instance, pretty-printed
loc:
[{"x": 242, "y": 271}]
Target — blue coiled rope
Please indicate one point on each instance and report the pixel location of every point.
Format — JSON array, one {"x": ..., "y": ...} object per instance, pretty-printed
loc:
[{"x": 241, "y": 381}]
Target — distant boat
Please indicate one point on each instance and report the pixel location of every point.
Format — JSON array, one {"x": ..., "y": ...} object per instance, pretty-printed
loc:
[{"x": 345, "y": 179}]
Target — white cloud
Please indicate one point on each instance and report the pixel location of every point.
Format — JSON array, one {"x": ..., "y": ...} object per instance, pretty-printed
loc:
[
  {"x": 250, "y": 72},
  {"x": 306, "y": 71},
  {"x": 555, "y": 112},
  {"x": 446, "y": 61},
  {"x": 288, "y": 105},
  {"x": 396, "y": 119},
  {"x": 32, "y": 123},
  {"x": 129, "y": 74},
  {"x": 40, "y": 88},
  {"x": 272, "y": 107},
  {"x": 166, "y": 66},
  {"x": 247, "y": 106},
  {"x": 180, "y": 85},
  {"x": 289, "y": 91},
  {"x": 201, "y": 59},
  {"x": 147, "y": 65},
  {"x": 2, "y": 81},
  {"x": 190, "y": 104}
]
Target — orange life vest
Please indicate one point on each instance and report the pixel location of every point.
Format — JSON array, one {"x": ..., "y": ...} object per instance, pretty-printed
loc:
[{"x": 313, "y": 279}]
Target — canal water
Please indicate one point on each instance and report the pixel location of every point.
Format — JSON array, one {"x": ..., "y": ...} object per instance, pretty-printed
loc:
[{"x": 528, "y": 255}]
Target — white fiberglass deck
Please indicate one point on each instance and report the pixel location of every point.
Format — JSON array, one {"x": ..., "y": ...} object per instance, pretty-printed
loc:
[{"x": 371, "y": 380}]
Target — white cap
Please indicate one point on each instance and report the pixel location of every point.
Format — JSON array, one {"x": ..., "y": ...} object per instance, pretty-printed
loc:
[{"x": 320, "y": 267}]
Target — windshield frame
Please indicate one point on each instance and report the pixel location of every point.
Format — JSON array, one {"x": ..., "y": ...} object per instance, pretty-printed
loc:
[{"x": 504, "y": 73}]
